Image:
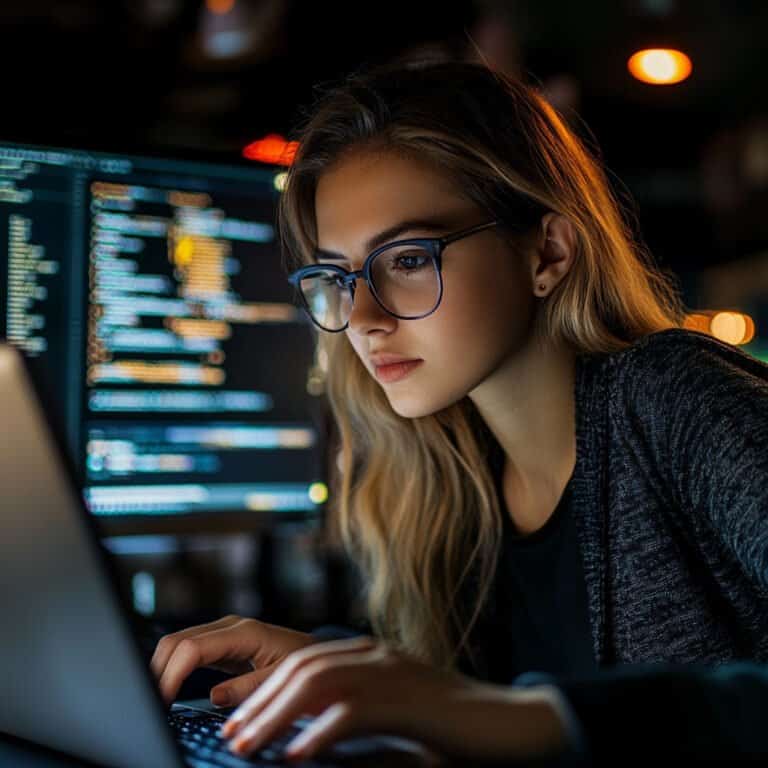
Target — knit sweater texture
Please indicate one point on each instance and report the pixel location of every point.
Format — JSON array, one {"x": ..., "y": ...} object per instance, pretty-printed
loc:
[{"x": 670, "y": 499}]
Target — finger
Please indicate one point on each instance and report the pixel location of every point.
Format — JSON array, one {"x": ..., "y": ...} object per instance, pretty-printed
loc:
[
  {"x": 287, "y": 669},
  {"x": 234, "y": 692},
  {"x": 309, "y": 691},
  {"x": 337, "y": 722},
  {"x": 294, "y": 662},
  {"x": 167, "y": 644},
  {"x": 231, "y": 642},
  {"x": 302, "y": 695}
]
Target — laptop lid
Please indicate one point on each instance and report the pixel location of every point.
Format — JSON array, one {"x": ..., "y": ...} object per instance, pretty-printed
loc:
[{"x": 73, "y": 676}]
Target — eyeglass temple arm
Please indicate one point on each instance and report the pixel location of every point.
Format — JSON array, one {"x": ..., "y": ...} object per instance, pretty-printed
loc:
[{"x": 466, "y": 232}]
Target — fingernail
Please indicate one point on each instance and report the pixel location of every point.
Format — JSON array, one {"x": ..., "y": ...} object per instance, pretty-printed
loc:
[
  {"x": 293, "y": 752},
  {"x": 220, "y": 698}
]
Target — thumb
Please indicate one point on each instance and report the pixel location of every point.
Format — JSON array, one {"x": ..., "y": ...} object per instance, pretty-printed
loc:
[{"x": 234, "y": 692}]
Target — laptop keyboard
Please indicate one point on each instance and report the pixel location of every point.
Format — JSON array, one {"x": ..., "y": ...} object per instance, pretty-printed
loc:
[{"x": 198, "y": 735}]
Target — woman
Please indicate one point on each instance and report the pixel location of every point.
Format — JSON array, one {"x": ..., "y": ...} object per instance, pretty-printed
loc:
[{"x": 542, "y": 471}]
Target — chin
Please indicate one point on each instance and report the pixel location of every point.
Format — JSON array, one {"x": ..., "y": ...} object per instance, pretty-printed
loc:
[
  {"x": 410, "y": 411},
  {"x": 415, "y": 407}
]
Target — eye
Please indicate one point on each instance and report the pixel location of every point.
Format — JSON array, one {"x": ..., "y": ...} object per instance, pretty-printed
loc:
[
  {"x": 331, "y": 278},
  {"x": 408, "y": 260},
  {"x": 413, "y": 260}
]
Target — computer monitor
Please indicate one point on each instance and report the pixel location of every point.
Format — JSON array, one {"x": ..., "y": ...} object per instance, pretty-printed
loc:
[{"x": 151, "y": 290}]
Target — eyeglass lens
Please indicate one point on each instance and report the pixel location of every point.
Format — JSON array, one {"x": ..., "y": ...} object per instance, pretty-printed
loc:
[{"x": 405, "y": 279}]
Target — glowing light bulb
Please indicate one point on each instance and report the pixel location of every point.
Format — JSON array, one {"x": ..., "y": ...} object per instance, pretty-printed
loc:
[{"x": 660, "y": 66}]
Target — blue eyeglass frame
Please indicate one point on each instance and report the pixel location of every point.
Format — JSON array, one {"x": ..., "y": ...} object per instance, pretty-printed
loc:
[{"x": 434, "y": 245}]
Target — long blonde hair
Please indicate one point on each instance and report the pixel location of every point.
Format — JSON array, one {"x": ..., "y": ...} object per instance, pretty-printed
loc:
[{"x": 414, "y": 501}]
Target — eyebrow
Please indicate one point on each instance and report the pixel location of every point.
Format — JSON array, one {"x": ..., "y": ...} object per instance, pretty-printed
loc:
[{"x": 428, "y": 225}]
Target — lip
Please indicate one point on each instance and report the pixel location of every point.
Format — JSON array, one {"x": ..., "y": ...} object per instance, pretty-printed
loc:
[
  {"x": 387, "y": 359},
  {"x": 396, "y": 371}
]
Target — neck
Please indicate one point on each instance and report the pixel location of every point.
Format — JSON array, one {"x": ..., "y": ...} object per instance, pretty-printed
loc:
[{"x": 528, "y": 403}]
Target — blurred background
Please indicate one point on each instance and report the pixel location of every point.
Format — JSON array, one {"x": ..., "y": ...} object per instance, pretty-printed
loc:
[{"x": 145, "y": 103}]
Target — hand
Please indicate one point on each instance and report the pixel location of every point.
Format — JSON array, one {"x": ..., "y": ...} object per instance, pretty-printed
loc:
[
  {"x": 245, "y": 647},
  {"x": 360, "y": 685}
]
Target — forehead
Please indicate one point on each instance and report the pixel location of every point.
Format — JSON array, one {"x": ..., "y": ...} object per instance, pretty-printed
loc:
[{"x": 367, "y": 192}]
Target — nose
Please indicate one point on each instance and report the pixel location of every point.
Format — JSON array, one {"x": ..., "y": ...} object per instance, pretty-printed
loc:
[{"x": 367, "y": 314}]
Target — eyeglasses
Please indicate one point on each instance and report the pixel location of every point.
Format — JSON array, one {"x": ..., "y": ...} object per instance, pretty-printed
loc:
[{"x": 404, "y": 277}]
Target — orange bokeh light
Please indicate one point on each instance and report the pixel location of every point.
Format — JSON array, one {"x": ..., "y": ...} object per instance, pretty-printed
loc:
[
  {"x": 220, "y": 7},
  {"x": 272, "y": 149},
  {"x": 660, "y": 66},
  {"x": 730, "y": 326}
]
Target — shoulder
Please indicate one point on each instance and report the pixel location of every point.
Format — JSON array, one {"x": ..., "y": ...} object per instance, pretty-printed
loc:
[
  {"x": 675, "y": 378},
  {"x": 680, "y": 362},
  {"x": 676, "y": 388}
]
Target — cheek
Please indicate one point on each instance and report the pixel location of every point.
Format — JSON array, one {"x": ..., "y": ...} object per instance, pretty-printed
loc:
[
  {"x": 480, "y": 326},
  {"x": 359, "y": 347},
  {"x": 485, "y": 310}
]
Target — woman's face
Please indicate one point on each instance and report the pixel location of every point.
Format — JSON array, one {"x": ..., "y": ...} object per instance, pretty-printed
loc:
[{"x": 487, "y": 309}]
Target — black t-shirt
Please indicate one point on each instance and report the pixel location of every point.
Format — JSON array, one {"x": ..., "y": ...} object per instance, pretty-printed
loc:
[{"x": 538, "y": 619}]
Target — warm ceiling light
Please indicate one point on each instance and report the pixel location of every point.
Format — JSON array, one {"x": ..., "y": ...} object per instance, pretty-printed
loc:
[{"x": 660, "y": 66}]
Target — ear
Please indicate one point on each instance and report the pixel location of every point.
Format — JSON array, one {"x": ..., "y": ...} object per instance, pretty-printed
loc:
[{"x": 553, "y": 253}]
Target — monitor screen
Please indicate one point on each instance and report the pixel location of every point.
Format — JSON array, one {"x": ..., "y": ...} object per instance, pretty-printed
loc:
[{"x": 152, "y": 291}]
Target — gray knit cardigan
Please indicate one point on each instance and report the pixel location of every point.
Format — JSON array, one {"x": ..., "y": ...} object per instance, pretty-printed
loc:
[{"x": 670, "y": 500}]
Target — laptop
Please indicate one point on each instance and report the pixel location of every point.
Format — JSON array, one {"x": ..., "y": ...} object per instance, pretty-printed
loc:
[{"x": 73, "y": 676}]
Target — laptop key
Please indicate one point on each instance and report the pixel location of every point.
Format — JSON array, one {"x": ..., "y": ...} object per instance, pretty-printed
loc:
[{"x": 200, "y": 738}]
